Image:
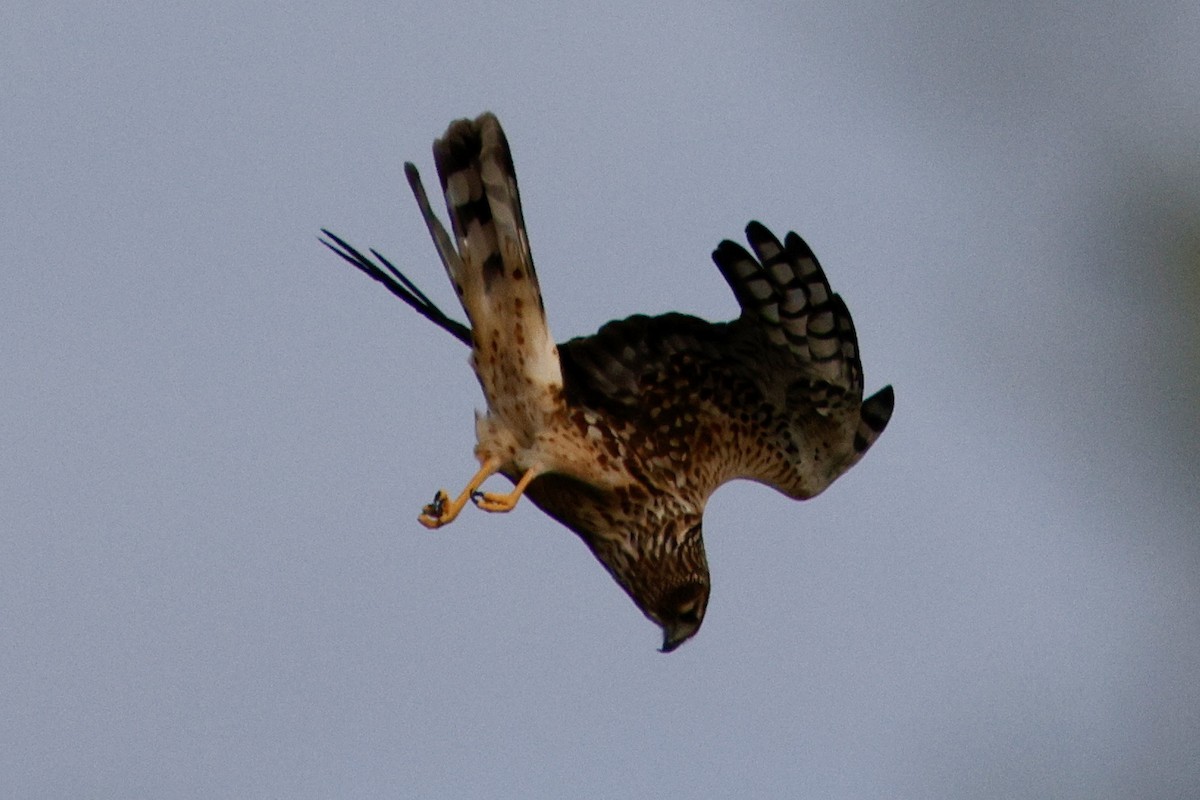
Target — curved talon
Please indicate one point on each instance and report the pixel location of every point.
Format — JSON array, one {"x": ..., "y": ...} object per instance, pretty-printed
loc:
[
  {"x": 438, "y": 506},
  {"x": 433, "y": 515},
  {"x": 490, "y": 501},
  {"x": 443, "y": 510}
]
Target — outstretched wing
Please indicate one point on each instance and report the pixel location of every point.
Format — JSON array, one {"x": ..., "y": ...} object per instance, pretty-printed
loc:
[
  {"x": 785, "y": 290},
  {"x": 491, "y": 267},
  {"x": 774, "y": 396}
]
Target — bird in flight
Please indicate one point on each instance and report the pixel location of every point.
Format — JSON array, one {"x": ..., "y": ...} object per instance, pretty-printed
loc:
[{"x": 623, "y": 435}]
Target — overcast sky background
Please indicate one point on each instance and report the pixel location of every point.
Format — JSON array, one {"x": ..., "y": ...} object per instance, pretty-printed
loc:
[{"x": 215, "y": 437}]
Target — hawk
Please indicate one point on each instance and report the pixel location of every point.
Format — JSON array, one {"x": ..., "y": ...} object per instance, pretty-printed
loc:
[{"x": 623, "y": 435}]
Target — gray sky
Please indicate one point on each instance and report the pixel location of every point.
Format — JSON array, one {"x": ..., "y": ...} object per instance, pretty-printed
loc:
[{"x": 215, "y": 437}]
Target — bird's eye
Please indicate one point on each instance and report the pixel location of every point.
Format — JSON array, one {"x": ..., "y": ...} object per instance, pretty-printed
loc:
[{"x": 689, "y": 615}]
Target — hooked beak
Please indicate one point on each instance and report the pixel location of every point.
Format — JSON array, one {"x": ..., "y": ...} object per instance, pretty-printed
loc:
[{"x": 672, "y": 639}]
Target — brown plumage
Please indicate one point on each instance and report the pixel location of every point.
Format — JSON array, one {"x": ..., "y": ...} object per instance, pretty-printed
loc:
[{"x": 623, "y": 435}]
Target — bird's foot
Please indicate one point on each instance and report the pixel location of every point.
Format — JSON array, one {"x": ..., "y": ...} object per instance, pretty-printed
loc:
[
  {"x": 490, "y": 501},
  {"x": 441, "y": 511}
]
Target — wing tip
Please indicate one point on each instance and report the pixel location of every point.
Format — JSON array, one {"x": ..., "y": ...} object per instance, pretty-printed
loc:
[{"x": 874, "y": 416}]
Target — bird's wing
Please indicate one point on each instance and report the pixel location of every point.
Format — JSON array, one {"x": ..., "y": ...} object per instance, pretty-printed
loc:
[
  {"x": 490, "y": 265},
  {"x": 397, "y": 283},
  {"x": 774, "y": 396}
]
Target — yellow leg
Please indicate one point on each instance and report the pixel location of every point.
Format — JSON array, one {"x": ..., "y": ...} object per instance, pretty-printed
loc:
[
  {"x": 442, "y": 510},
  {"x": 505, "y": 502}
]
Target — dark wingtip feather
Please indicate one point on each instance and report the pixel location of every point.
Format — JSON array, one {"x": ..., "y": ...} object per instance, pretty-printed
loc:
[
  {"x": 756, "y": 230},
  {"x": 873, "y": 418},
  {"x": 398, "y": 284},
  {"x": 413, "y": 176},
  {"x": 799, "y": 248},
  {"x": 878, "y": 408}
]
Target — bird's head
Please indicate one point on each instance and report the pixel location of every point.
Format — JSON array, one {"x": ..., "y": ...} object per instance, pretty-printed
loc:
[
  {"x": 680, "y": 613},
  {"x": 656, "y": 556},
  {"x": 669, "y": 581}
]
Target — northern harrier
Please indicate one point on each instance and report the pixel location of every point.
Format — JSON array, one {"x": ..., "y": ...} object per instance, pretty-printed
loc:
[{"x": 623, "y": 435}]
